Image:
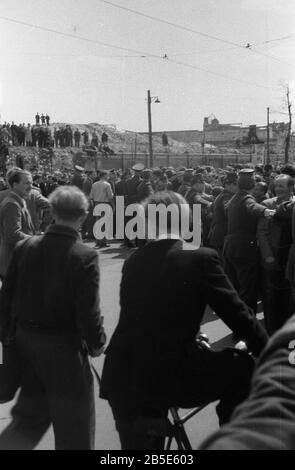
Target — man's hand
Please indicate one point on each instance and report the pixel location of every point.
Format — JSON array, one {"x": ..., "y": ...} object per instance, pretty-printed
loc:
[{"x": 269, "y": 213}]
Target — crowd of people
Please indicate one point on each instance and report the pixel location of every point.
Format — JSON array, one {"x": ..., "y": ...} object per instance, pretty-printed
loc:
[
  {"x": 152, "y": 362},
  {"x": 43, "y": 136}
]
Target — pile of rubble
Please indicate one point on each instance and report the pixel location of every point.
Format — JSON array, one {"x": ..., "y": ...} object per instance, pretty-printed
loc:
[{"x": 59, "y": 159}]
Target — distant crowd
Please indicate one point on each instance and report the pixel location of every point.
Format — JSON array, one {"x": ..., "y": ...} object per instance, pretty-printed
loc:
[{"x": 42, "y": 136}]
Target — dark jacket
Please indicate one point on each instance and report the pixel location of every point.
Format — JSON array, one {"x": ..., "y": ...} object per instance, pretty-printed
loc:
[
  {"x": 132, "y": 185},
  {"x": 219, "y": 223},
  {"x": 164, "y": 291},
  {"x": 144, "y": 190},
  {"x": 274, "y": 236},
  {"x": 52, "y": 284},
  {"x": 243, "y": 213},
  {"x": 266, "y": 420},
  {"x": 15, "y": 225}
]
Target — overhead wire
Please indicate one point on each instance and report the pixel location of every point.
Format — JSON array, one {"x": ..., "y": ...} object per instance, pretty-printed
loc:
[
  {"x": 194, "y": 31},
  {"x": 140, "y": 53}
]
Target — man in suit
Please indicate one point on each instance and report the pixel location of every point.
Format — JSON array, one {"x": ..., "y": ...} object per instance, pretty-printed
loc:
[
  {"x": 51, "y": 291},
  {"x": 218, "y": 228},
  {"x": 275, "y": 239},
  {"x": 266, "y": 420},
  {"x": 153, "y": 361},
  {"x": 15, "y": 220},
  {"x": 241, "y": 252}
]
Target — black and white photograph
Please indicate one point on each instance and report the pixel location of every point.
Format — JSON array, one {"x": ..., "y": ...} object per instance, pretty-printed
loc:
[{"x": 147, "y": 227}]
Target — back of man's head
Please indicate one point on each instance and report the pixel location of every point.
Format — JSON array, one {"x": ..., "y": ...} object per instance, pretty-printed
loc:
[{"x": 68, "y": 203}]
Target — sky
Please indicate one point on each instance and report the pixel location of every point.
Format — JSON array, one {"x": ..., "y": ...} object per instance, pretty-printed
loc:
[{"x": 86, "y": 80}]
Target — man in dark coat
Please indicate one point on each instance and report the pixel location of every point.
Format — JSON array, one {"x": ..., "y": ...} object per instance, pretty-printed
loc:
[
  {"x": 241, "y": 252},
  {"x": 78, "y": 179},
  {"x": 51, "y": 290},
  {"x": 153, "y": 361},
  {"x": 275, "y": 240},
  {"x": 219, "y": 222},
  {"x": 133, "y": 183},
  {"x": 145, "y": 188},
  {"x": 15, "y": 221}
]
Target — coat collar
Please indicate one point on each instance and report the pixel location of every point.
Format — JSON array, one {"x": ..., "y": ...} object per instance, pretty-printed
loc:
[
  {"x": 17, "y": 198},
  {"x": 62, "y": 230}
]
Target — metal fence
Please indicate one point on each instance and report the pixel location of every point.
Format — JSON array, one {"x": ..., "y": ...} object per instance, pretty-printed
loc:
[{"x": 127, "y": 160}]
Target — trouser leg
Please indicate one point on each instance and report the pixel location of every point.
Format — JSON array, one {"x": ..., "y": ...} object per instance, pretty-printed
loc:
[
  {"x": 127, "y": 412},
  {"x": 30, "y": 415}
]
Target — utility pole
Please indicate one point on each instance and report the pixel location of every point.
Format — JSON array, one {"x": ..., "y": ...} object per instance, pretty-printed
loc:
[
  {"x": 267, "y": 145},
  {"x": 288, "y": 137},
  {"x": 149, "y": 100}
]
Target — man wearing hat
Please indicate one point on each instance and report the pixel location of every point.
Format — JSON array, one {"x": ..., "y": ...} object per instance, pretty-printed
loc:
[
  {"x": 77, "y": 179},
  {"x": 145, "y": 188},
  {"x": 134, "y": 182},
  {"x": 219, "y": 222},
  {"x": 241, "y": 252}
]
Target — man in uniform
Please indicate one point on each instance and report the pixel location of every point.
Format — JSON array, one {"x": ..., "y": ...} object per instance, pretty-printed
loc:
[
  {"x": 134, "y": 182},
  {"x": 77, "y": 179},
  {"x": 241, "y": 248}
]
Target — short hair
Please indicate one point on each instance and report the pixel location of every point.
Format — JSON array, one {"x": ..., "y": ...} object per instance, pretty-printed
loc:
[
  {"x": 262, "y": 186},
  {"x": 68, "y": 203},
  {"x": 288, "y": 178},
  {"x": 167, "y": 198},
  {"x": 14, "y": 175},
  {"x": 288, "y": 169}
]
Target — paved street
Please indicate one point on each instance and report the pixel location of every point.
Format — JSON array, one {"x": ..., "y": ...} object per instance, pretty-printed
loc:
[{"x": 111, "y": 261}]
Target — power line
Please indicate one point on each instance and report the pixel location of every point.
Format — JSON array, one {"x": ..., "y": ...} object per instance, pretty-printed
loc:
[
  {"x": 142, "y": 54},
  {"x": 81, "y": 38},
  {"x": 194, "y": 31},
  {"x": 218, "y": 74},
  {"x": 291, "y": 36},
  {"x": 174, "y": 25}
]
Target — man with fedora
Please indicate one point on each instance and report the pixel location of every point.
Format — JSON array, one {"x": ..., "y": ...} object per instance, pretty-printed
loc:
[{"x": 241, "y": 248}]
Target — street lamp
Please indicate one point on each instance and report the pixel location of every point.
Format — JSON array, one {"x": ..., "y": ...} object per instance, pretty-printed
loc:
[{"x": 150, "y": 100}]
